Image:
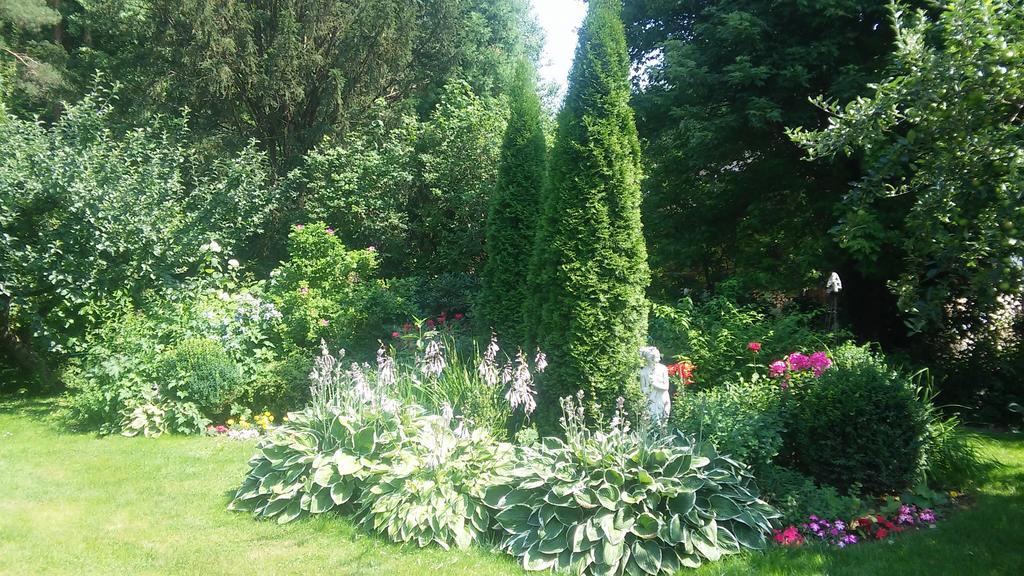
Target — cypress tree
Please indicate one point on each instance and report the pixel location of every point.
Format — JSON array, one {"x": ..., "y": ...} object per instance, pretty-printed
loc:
[
  {"x": 513, "y": 215},
  {"x": 587, "y": 306}
]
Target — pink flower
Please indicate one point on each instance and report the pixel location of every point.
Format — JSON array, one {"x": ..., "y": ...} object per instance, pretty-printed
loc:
[
  {"x": 777, "y": 368},
  {"x": 459, "y": 315},
  {"x": 754, "y": 346},
  {"x": 330, "y": 230},
  {"x": 395, "y": 334},
  {"x": 324, "y": 322},
  {"x": 819, "y": 362},
  {"x": 303, "y": 290},
  {"x": 299, "y": 226},
  {"x": 372, "y": 248},
  {"x": 798, "y": 362},
  {"x": 430, "y": 323}
]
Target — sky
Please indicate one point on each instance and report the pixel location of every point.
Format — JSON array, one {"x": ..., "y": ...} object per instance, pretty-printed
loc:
[{"x": 560, "y": 20}]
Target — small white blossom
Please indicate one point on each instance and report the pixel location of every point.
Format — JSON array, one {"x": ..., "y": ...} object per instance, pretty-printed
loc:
[
  {"x": 433, "y": 362},
  {"x": 385, "y": 367},
  {"x": 540, "y": 360},
  {"x": 488, "y": 367},
  {"x": 233, "y": 263},
  {"x": 521, "y": 393}
]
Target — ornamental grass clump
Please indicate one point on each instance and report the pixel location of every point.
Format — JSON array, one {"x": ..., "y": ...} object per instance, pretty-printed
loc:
[{"x": 621, "y": 501}]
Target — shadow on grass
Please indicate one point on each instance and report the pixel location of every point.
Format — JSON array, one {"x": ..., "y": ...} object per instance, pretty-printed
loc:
[{"x": 35, "y": 407}]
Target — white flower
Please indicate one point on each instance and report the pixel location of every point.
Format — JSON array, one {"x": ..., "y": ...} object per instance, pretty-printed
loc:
[
  {"x": 540, "y": 361},
  {"x": 521, "y": 393},
  {"x": 212, "y": 246},
  {"x": 447, "y": 412},
  {"x": 223, "y": 296},
  {"x": 488, "y": 368},
  {"x": 233, "y": 263},
  {"x": 433, "y": 362},
  {"x": 385, "y": 367}
]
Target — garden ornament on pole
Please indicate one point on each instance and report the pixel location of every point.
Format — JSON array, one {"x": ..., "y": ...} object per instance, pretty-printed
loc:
[
  {"x": 832, "y": 289},
  {"x": 654, "y": 384}
]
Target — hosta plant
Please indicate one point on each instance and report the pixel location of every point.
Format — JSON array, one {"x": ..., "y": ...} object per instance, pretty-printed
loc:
[
  {"x": 623, "y": 502},
  {"x": 329, "y": 452},
  {"x": 434, "y": 490}
]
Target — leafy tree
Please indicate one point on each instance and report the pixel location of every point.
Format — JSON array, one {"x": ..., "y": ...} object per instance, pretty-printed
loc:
[
  {"x": 290, "y": 73},
  {"x": 31, "y": 57},
  {"x": 941, "y": 140},
  {"x": 590, "y": 269},
  {"x": 417, "y": 191},
  {"x": 727, "y": 195},
  {"x": 512, "y": 219},
  {"x": 91, "y": 214}
]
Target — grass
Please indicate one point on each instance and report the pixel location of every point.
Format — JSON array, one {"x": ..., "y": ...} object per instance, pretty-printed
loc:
[{"x": 77, "y": 504}]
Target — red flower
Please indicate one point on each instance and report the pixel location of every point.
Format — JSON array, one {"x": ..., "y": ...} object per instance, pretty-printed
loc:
[
  {"x": 406, "y": 327},
  {"x": 395, "y": 334},
  {"x": 755, "y": 346},
  {"x": 430, "y": 323},
  {"x": 683, "y": 370},
  {"x": 459, "y": 315},
  {"x": 882, "y": 533}
]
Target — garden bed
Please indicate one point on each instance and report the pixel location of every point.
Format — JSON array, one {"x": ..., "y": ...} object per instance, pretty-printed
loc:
[{"x": 118, "y": 505}]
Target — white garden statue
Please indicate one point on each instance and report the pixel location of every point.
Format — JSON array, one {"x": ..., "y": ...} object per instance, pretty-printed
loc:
[{"x": 654, "y": 385}]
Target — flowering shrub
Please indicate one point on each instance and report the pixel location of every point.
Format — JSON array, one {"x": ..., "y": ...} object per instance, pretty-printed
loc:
[
  {"x": 860, "y": 422},
  {"x": 798, "y": 367}
]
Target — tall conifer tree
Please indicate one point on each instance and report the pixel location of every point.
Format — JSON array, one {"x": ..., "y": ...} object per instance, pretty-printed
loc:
[
  {"x": 515, "y": 205},
  {"x": 589, "y": 273}
]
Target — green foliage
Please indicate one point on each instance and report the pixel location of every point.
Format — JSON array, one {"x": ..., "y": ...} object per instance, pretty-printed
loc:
[
  {"x": 727, "y": 195},
  {"x": 860, "y": 423},
  {"x": 198, "y": 370},
  {"x": 513, "y": 215},
  {"x": 90, "y": 212},
  {"x": 458, "y": 151},
  {"x": 416, "y": 190},
  {"x": 434, "y": 491},
  {"x": 320, "y": 460},
  {"x": 943, "y": 189},
  {"x": 326, "y": 291},
  {"x": 327, "y": 63},
  {"x": 950, "y": 459},
  {"x": 797, "y": 496},
  {"x": 714, "y": 335},
  {"x": 744, "y": 420},
  {"x": 588, "y": 310},
  {"x": 280, "y": 385},
  {"x": 619, "y": 502}
]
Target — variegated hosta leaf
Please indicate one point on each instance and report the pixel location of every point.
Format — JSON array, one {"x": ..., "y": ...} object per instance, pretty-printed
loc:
[
  {"x": 317, "y": 462},
  {"x": 671, "y": 504},
  {"x": 435, "y": 492}
]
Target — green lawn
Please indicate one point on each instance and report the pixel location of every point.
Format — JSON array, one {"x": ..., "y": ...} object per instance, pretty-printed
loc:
[{"x": 77, "y": 504}]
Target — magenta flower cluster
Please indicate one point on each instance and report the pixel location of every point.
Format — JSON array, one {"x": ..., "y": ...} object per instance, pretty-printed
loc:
[{"x": 797, "y": 363}]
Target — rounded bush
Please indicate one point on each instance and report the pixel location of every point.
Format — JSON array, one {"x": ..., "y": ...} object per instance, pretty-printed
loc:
[
  {"x": 860, "y": 423},
  {"x": 198, "y": 370}
]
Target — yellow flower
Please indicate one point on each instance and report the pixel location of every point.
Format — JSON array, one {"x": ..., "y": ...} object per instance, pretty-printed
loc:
[
  {"x": 285, "y": 419},
  {"x": 231, "y": 422},
  {"x": 271, "y": 417}
]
